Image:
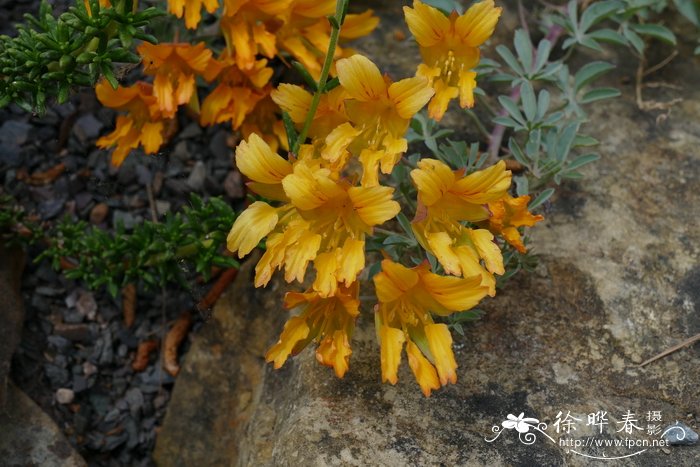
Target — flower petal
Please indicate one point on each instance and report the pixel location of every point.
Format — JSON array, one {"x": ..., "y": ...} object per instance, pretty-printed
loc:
[
  {"x": 427, "y": 24},
  {"x": 361, "y": 78},
  {"x": 250, "y": 227},
  {"x": 258, "y": 162},
  {"x": 391, "y": 342},
  {"x": 410, "y": 95},
  {"x": 440, "y": 343}
]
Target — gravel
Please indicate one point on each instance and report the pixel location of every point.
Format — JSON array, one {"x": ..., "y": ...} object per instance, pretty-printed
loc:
[{"x": 76, "y": 354}]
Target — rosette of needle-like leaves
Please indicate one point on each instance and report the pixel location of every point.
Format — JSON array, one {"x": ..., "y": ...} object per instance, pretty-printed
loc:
[
  {"x": 153, "y": 254},
  {"x": 51, "y": 54}
]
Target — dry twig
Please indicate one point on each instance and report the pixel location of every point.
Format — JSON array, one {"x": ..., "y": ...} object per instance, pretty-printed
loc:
[
  {"x": 173, "y": 340},
  {"x": 676, "y": 347},
  {"x": 143, "y": 351},
  {"x": 129, "y": 304}
]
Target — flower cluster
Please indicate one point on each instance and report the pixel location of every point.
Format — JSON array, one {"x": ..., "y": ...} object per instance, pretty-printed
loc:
[
  {"x": 255, "y": 31},
  {"x": 326, "y": 199}
]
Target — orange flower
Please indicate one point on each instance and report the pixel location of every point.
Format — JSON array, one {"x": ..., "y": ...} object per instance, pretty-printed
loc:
[
  {"x": 327, "y": 320},
  {"x": 407, "y": 297},
  {"x": 507, "y": 214},
  {"x": 447, "y": 198},
  {"x": 249, "y": 28},
  {"x": 143, "y": 125},
  {"x": 192, "y": 10},
  {"x": 237, "y": 93},
  {"x": 306, "y": 32},
  {"x": 175, "y": 67},
  {"x": 380, "y": 111},
  {"x": 450, "y": 49}
]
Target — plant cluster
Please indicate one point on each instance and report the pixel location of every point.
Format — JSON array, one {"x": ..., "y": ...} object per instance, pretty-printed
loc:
[
  {"x": 152, "y": 255},
  {"x": 50, "y": 55},
  {"x": 335, "y": 189}
]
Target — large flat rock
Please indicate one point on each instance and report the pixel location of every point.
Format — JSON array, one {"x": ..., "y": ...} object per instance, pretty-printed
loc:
[{"x": 618, "y": 282}]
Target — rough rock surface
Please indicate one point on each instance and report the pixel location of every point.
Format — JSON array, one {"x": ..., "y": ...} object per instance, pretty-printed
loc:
[
  {"x": 618, "y": 282},
  {"x": 30, "y": 437},
  {"x": 11, "y": 312}
]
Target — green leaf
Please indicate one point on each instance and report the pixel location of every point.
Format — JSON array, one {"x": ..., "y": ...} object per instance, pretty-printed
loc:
[
  {"x": 636, "y": 41},
  {"x": 405, "y": 225},
  {"x": 584, "y": 140},
  {"x": 289, "y": 129},
  {"x": 657, "y": 31},
  {"x": 543, "y": 50},
  {"x": 517, "y": 152},
  {"x": 523, "y": 47},
  {"x": 522, "y": 187},
  {"x": 582, "y": 160},
  {"x": 510, "y": 59},
  {"x": 690, "y": 9},
  {"x": 540, "y": 199},
  {"x": 609, "y": 36},
  {"x": 512, "y": 108},
  {"x": 527, "y": 96},
  {"x": 597, "y": 12},
  {"x": 108, "y": 73},
  {"x": 301, "y": 69},
  {"x": 599, "y": 94},
  {"x": 589, "y": 72}
]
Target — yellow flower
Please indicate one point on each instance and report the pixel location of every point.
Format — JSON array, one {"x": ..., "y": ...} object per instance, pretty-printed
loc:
[
  {"x": 248, "y": 26},
  {"x": 264, "y": 120},
  {"x": 306, "y": 32},
  {"x": 381, "y": 111},
  {"x": 507, "y": 214},
  {"x": 237, "y": 93},
  {"x": 296, "y": 101},
  {"x": 450, "y": 49},
  {"x": 330, "y": 321},
  {"x": 446, "y": 199},
  {"x": 192, "y": 10},
  {"x": 322, "y": 218},
  {"x": 407, "y": 297},
  {"x": 143, "y": 124},
  {"x": 175, "y": 67}
]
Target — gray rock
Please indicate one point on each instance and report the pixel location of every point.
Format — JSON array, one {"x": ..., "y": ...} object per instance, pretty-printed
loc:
[
  {"x": 196, "y": 178},
  {"x": 143, "y": 174},
  {"x": 14, "y": 132},
  {"x": 619, "y": 254},
  {"x": 218, "y": 146},
  {"x": 162, "y": 206},
  {"x": 30, "y": 437},
  {"x": 80, "y": 384},
  {"x": 233, "y": 185},
  {"x": 134, "y": 397},
  {"x": 680, "y": 434},
  {"x": 126, "y": 218},
  {"x": 86, "y": 304},
  {"x": 180, "y": 151},
  {"x": 89, "y": 368},
  {"x": 190, "y": 131},
  {"x": 87, "y": 128},
  {"x": 11, "y": 311},
  {"x": 10, "y": 155},
  {"x": 65, "y": 396}
]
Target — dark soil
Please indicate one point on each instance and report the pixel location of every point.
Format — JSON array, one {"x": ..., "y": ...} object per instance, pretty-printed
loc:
[{"x": 74, "y": 342}]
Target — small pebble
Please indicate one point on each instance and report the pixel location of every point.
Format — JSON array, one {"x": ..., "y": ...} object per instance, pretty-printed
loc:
[
  {"x": 65, "y": 396},
  {"x": 99, "y": 213},
  {"x": 233, "y": 185},
  {"x": 197, "y": 176},
  {"x": 680, "y": 434}
]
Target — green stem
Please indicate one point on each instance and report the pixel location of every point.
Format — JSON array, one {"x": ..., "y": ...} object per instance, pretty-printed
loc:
[{"x": 335, "y": 33}]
